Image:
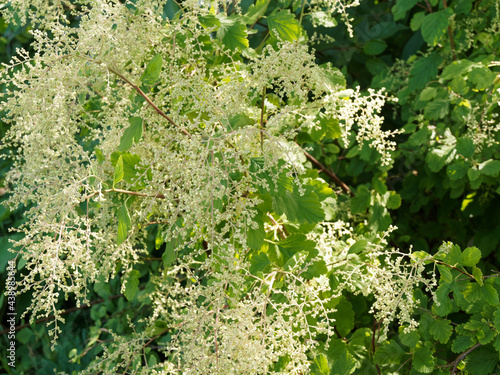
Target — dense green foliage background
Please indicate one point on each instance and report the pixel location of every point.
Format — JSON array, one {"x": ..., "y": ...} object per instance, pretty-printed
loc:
[{"x": 441, "y": 60}]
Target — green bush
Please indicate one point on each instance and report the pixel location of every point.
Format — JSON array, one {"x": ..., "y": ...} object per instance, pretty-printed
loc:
[{"x": 282, "y": 187}]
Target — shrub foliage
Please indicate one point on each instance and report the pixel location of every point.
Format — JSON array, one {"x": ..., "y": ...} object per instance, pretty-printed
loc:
[{"x": 211, "y": 188}]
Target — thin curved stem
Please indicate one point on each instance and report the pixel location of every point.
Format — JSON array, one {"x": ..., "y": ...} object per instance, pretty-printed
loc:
[
  {"x": 138, "y": 90},
  {"x": 330, "y": 174}
]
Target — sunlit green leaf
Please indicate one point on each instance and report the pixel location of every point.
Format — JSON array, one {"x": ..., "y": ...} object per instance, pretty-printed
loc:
[
  {"x": 470, "y": 256},
  {"x": 304, "y": 208},
  {"x": 132, "y": 284},
  {"x": 284, "y": 26},
  {"x": 423, "y": 361},
  {"x": 233, "y": 33},
  {"x": 124, "y": 224},
  {"x": 169, "y": 254},
  {"x": 131, "y": 134},
  {"x": 343, "y": 363},
  {"x": 119, "y": 173},
  {"x": 434, "y": 25},
  {"x": 152, "y": 72},
  {"x": 441, "y": 330}
]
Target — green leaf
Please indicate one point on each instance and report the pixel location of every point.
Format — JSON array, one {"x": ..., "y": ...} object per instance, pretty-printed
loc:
[
  {"x": 453, "y": 255},
  {"x": 463, "y": 6},
  {"x": 457, "y": 170},
  {"x": 152, "y": 72},
  {"x": 299, "y": 208},
  {"x": 485, "y": 294},
  {"x": 232, "y": 33},
  {"x": 472, "y": 292},
  {"x": 379, "y": 217},
  {"x": 240, "y": 120},
  {"x": 284, "y": 26},
  {"x": 321, "y": 363},
  {"x": 259, "y": 263},
  {"x": 131, "y": 134},
  {"x": 481, "y": 361},
  {"x": 158, "y": 327},
  {"x": 437, "y": 109},
  {"x": 295, "y": 243},
  {"x": 99, "y": 155},
  {"x": 482, "y": 77},
  {"x": 470, "y": 257},
  {"x": 132, "y": 284},
  {"x": 445, "y": 273},
  {"x": 374, "y": 47},
  {"x": 159, "y": 240},
  {"x": 402, "y": 6},
  {"x": 473, "y": 174},
  {"x": 168, "y": 255},
  {"x": 490, "y": 294},
  {"x": 462, "y": 343},
  {"x": 124, "y": 224},
  {"x": 343, "y": 363},
  {"x": 428, "y": 93},
  {"x": 423, "y": 361},
  {"x": 424, "y": 70},
  {"x": 130, "y": 163},
  {"x": 255, "y": 11},
  {"x": 456, "y": 68},
  {"x": 394, "y": 201},
  {"x": 171, "y": 9},
  {"x": 496, "y": 320},
  {"x": 416, "y": 21},
  {"x": 410, "y": 338},
  {"x": 478, "y": 275},
  {"x": 328, "y": 127},
  {"x": 361, "y": 201},
  {"x": 465, "y": 147},
  {"x": 333, "y": 75},
  {"x": 437, "y": 158},
  {"x": 358, "y": 247},
  {"x": 316, "y": 269},
  {"x": 390, "y": 352},
  {"x": 344, "y": 317},
  {"x": 441, "y": 330},
  {"x": 443, "y": 305},
  {"x": 255, "y": 237},
  {"x": 209, "y": 21},
  {"x": 321, "y": 189},
  {"x": 419, "y": 256},
  {"x": 118, "y": 175},
  {"x": 490, "y": 167},
  {"x": 434, "y": 25}
]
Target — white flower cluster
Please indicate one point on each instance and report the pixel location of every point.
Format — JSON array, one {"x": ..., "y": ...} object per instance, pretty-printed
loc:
[
  {"x": 191, "y": 172},
  {"x": 389, "y": 275}
]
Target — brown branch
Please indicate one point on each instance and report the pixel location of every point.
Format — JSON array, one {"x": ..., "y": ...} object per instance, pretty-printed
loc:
[
  {"x": 139, "y": 91},
  {"x": 330, "y": 174},
  {"x": 150, "y": 102},
  {"x": 429, "y": 7},
  {"x": 450, "y": 35},
  {"x": 455, "y": 268},
  {"x": 462, "y": 356},
  {"x": 376, "y": 327},
  {"x": 283, "y": 233}
]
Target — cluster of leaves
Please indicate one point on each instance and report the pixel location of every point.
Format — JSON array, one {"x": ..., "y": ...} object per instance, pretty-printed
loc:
[
  {"x": 175, "y": 194},
  {"x": 439, "y": 59}
]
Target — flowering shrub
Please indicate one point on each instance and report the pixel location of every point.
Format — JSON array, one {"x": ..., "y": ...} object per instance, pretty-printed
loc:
[{"x": 166, "y": 153}]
